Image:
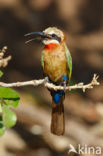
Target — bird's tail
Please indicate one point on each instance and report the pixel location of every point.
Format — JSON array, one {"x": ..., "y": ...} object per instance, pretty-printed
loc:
[{"x": 57, "y": 120}]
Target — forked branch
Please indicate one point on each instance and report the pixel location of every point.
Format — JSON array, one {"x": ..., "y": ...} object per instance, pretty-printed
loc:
[
  {"x": 45, "y": 82},
  {"x": 4, "y": 61}
]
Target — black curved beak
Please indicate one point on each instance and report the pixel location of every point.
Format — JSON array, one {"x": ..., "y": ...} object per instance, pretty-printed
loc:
[
  {"x": 35, "y": 34},
  {"x": 38, "y": 35}
]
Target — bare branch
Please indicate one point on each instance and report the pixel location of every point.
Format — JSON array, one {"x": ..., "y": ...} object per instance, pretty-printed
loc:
[
  {"x": 4, "y": 61},
  {"x": 93, "y": 83}
]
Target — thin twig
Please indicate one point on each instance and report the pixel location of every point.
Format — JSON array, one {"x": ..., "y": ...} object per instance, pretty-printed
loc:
[{"x": 94, "y": 82}]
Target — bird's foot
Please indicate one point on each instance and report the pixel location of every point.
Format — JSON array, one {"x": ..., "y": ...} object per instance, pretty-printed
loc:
[
  {"x": 64, "y": 85},
  {"x": 46, "y": 79},
  {"x": 64, "y": 82}
]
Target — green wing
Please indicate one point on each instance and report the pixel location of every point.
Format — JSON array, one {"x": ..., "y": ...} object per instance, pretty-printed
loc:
[
  {"x": 42, "y": 61},
  {"x": 69, "y": 61}
]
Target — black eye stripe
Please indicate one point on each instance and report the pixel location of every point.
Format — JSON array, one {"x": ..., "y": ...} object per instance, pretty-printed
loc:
[{"x": 54, "y": 36}]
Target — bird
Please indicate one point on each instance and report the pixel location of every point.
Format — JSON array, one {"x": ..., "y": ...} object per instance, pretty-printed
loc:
[{"x": 56, "y": 63}]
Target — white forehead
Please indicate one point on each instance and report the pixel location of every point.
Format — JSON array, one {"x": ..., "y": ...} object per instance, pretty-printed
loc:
[
  {"x": 51, "y": 32},
  {"x": 54, "y": 30}
]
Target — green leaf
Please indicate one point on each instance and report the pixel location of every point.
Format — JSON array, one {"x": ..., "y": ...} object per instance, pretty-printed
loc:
[
  {"x": 10, "y": 96},
  {"x": 1, "y": 73},
  {"x": 13, "y": 103},
  {"x": 8, "y": 93},
  {"x": 2, "y": 128},
  {"x": 1, "y": 119},
  {"x": 9, "y": 117},
  {"x": 0, "y": 108}
]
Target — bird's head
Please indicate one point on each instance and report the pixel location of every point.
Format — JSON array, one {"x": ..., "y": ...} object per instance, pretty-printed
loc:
[
  {"x": 54, "y": 34},
  {"x": 51, "y": 35}
]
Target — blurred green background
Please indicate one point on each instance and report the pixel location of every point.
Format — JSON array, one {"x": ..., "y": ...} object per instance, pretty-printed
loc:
[{"x": 82, "y": 22}]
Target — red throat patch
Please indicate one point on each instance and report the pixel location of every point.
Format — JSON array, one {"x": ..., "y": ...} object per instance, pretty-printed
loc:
[{"x": 51, "y": 46}]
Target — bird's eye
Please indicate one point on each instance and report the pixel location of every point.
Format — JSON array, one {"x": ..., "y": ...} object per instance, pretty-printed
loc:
[
  {"x": 56, "y": 37},
  {"x": 53, "y": 35}
]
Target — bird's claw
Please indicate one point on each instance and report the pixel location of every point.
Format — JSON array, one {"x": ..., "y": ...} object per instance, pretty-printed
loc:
[
  {"x": 64, "y": 85},
  {"x": 46, "y": 79},
  {"x": 64, "y": 82}
]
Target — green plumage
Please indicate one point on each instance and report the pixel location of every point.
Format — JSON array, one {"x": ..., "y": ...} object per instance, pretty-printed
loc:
[{"x": 69, "y": 61}]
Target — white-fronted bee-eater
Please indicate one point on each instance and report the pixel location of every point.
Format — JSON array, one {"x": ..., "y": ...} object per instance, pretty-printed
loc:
[{"x": 56, "y": 62}]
